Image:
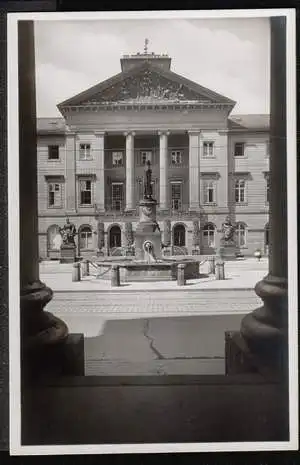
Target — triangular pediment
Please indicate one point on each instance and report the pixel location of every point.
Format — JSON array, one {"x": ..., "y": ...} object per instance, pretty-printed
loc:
[{"x": 146, "y": 84}]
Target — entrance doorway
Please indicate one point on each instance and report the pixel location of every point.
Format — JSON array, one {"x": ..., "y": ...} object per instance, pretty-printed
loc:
[{"x": 115, "y": 237}]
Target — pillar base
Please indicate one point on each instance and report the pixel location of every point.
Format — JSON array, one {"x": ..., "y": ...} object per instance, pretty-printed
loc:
[
  {"x": 43, "y": 335},
  {"x": 265, "y": 330}
]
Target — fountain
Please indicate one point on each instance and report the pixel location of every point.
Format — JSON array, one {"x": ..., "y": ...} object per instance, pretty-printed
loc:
[{"x": 148, "y": 263}]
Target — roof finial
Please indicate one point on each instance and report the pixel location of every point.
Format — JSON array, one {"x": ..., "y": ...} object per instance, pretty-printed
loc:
[{"x": 146, "y": 46}]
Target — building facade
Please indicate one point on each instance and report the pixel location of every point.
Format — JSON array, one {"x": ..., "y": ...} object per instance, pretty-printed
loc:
[{"x": 206, "y": 164}]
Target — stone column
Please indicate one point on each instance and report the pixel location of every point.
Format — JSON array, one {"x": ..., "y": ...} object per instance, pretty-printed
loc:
[
  {"x": 130, "y": 204},
  {"x": 43, "y": 336},
  {"x": 266, "y": 329},
  {"x": 163, "y": 170},
  {"x": 194, "y": 167},
  {"x": 70, "y": 174},
  {"x": 100, "y": 180}
]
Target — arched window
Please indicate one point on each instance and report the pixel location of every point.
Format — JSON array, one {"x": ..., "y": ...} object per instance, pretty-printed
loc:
[
  {"x": 115, "y": 237},
  {"x": 179, "y": 235},
  {"x": 240, "y": 233},
  {"x": 209, "y": 231},
  {"x": 54, "y": 238},
  {"x": 85, "y": 238}
]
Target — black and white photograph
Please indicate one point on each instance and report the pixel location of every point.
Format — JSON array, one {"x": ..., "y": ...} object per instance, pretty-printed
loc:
[{"x": 152, "y": 232}]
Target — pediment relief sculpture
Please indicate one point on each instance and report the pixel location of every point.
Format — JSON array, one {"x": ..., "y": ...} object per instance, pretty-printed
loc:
[{"x": 146, "y": 87}]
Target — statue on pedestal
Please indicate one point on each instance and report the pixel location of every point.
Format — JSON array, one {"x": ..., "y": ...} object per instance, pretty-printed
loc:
[
  {"x": 147, "y": 182},
  {"x": 228, "y": 230},
  {"x": 68, "y": 233}
]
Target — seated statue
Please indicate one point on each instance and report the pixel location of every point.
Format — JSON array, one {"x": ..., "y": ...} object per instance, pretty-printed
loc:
[{"x": 68, "y": 233}]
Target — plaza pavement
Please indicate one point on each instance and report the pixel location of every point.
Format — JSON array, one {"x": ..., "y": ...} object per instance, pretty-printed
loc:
[{"x": 154, "y": 328}]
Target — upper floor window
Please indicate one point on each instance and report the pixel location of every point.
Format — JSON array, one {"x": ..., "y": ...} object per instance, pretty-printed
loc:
[
  {"x": 146, "y": 155},
  {"x": 54, "y": 195},
  {"x": 239, "y": 149},
  {"x": 85, "y": 151},
  {"x": 85, "y": 188},
  {"x": 117, "y": 159},
  {"x": 176, "y": 157},
  {"x": 208, "y": 149},
  {"x": 209, "y": 191},
  {"x": 53, "y": 152},
  {"x": 240, "y": 191}
]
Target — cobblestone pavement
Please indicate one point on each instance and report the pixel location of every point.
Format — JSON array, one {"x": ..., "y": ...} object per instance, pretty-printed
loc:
[{"x": 154, "y": 303}]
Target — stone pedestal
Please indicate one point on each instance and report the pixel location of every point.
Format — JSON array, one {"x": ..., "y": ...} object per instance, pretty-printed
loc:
[
  {"x": 220, "y": 271},
  {"x": 181, "y": 275},
  {"x": 76, "y": 274},
  {"x": 147, "y": 230},
  {"x": 115, "y": 276},
  {"x": 227, "y": 250},
  {"x": 68, "y": 253}
]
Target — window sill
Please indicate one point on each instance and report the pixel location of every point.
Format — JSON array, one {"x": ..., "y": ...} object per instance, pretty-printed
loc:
[
  {"x": 54, "y": 207},
  {"x": 208, "y": 158},
  {"x": 54, "y": 159}
]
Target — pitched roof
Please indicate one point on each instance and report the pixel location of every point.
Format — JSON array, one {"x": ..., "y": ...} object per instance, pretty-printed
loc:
[
  {"x": 249, "y": 122},
  {"x": 201, "y": 92},
  {"x": 51, "y": 125}
]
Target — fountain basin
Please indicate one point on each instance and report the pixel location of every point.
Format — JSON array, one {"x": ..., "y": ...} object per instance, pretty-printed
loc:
[{"x": 136, "y": 271}]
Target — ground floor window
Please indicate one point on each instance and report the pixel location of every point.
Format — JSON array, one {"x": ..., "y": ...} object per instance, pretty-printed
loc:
[
  {"x": 240, "y": 234},
  {"x": 209, "y": 231},
  {"x": 179, "y": 235},
  {"x": 115, "y": 237},
  {"x": 54, "y": 238},
  {"x": 85, "y": 238}
]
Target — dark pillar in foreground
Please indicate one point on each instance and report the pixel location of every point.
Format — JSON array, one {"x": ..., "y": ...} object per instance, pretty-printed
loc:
[
  {"x": 44, "y": 337},
  {"x": 265, "y": 331}
]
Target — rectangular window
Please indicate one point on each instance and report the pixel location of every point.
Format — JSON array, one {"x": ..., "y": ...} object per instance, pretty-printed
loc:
[
  {"x": 85, "y": 192},
  {"x": 54, "y": 195},
  {"x": 117, "y": 159},
  {"x": 117, "y": 196},
  {"x": 239, "y": 149},
  {"x": 85, "y": 151},
  {"x": 240, "y": 191},
  {"x": 208, "y": 149},
  {"x": 53, "y": 152},
  {"x": 176, "y": 195},
  {"x": 176, "y": 157},
  {"x": 209, "y": 191},
  {"x": 145, "y": 155}
]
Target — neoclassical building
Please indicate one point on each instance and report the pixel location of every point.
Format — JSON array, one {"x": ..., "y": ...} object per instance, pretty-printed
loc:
[{"x": 206, "y": 164}]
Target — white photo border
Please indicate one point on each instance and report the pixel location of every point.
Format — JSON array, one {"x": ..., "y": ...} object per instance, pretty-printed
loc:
[{"x": 14, "y": 241}]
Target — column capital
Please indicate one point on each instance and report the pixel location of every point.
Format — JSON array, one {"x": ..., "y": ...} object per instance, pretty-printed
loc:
[
  {"x": 129, "y": 133},
  {"x": 162, "y": 133},
  {"x": 194, "y": 132}
]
